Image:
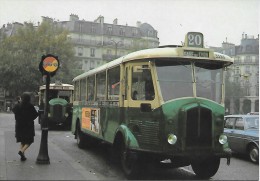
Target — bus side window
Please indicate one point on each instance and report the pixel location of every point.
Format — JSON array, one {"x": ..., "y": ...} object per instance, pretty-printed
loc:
[
  {"x": 76, "y": 91},
  {"x": 113, "y": 83},
  {"x": 91, "y": 88},
  {"x": 101, "y": 86},
  {"x": 83, "y": 89}
]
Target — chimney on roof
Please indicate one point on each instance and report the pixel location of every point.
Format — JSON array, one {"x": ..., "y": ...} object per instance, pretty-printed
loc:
[
  {"x": 100, "y": 19},
  {"x": 115, "y": 21},
  {"x": 74, "y": 17},
  {"x": 138, "y": 24}
]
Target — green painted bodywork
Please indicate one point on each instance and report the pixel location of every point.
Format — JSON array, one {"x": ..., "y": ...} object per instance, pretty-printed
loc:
[
  {"x": 58, "y": 117},
  {"x": 148, "y": 131},
  {"x": 59, "y": 101}
]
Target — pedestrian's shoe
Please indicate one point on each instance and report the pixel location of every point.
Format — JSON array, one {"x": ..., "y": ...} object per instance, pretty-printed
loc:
[{"x": 23, "y": 158}]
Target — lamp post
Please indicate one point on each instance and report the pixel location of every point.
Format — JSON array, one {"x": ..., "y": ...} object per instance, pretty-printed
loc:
[
  {"x": 116, "y": 45},
  {"x": 48, "y": 67}
]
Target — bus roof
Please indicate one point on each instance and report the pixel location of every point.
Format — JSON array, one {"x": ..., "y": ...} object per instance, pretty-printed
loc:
[
  {"x": 165, "y": 52},
  {"x": 58, "y": 86}
]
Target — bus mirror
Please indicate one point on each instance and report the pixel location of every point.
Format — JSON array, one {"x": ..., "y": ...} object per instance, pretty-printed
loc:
[{"x": 145, "y": 107}]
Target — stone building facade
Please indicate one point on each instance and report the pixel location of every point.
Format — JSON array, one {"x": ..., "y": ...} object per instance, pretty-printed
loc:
[
  {"x": 245, "y": 73},
  {"x": 97, "y": 42}
]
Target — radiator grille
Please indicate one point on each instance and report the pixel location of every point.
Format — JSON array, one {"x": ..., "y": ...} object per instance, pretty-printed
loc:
[
  {"x": 148, "y": 132},
  {"x": 57, "y": 112},
  {"x": 199, "y": 127}
]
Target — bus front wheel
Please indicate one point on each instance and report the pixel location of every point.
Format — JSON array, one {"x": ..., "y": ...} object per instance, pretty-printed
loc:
[
  {"x": 206, "y": 168},
  {"x": 129, "y": 162}
]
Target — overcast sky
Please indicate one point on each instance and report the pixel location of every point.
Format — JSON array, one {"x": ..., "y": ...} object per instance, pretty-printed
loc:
[{"x": 216, "y": 19}]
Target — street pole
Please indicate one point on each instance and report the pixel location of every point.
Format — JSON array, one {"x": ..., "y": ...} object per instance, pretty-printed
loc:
[
  {"x": 43, "y": 157},
  {"x": 48, "y": 67}
]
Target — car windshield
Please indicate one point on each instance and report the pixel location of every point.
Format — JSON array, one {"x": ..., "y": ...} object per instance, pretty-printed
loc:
[
  {"x": 252, "y": 123},
  {"x": 176, "y": 80}
]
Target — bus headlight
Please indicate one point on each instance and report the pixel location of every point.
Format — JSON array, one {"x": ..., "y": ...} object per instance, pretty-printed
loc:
[
  {"x": 172, "y": 139},
  {"x": 222, "y": 139}
]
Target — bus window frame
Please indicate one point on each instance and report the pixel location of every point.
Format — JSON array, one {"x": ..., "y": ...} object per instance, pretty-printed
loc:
[
  {"x": 101, "y": 98},
  {"x": 118, "y": 84},
  {"x": 83, "y": 90},
  {"x": 92, "y": 77},
  {"x": 129, "y": 102}
]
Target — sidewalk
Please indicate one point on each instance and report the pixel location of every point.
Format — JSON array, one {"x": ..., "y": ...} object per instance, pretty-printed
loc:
[{"x": 61, "y": 167}]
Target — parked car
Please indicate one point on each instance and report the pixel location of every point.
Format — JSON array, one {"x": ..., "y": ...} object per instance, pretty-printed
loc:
[{"x": 243, "y": 135}]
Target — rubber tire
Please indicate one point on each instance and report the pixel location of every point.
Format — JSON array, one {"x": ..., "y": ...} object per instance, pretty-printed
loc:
[
  {"x": 205, "y": 169},
  {"x": 253, "y": 154},
  {"x": 129, "y": 163},
  {"x": 79, "y": 137}
]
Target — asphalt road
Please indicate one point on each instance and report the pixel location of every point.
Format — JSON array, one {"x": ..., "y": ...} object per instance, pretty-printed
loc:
[{"x": 99, "y": 161}]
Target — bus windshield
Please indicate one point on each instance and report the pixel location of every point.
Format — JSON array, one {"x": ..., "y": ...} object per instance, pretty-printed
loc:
[{"x": 176, "y": 80}]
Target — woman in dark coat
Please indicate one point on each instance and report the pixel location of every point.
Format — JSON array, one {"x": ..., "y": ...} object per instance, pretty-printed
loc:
[{"x": 25, "y": 114}]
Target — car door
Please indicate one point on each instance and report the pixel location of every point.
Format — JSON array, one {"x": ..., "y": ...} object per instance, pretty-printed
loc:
[
  {"x": 229, "y": 130},
  {"x": 238, "y": 136}
]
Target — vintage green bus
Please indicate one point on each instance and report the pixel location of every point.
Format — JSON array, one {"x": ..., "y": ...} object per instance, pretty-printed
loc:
[
  {"x": 157, "y": 104},
  {"x": 59, "y": 104}
]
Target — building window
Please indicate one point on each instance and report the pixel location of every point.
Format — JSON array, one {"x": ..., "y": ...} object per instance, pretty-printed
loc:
[
  {"x": 248, "y": 59},
  {"x": 109, "y": 30},
  {"x": 236, "y": 79},
  {"x": 92, "y": 52},
  {"x": 231, "y": 52},
  {"x": 80, "y": 39},
  {"x": 80, "y": 27},
  {"x": 93, "y": 29},
  {"x": 92, "y": 64},
  {"x": 238, "y": 59},
  {"x": 150, "y": 33},
  {"x": 248, "y": 47},
  {"x": 80, "y": 51},
  {"x": 134, "y": 31},
  {"x": 121, "y": 31},
  {"x": 237, "y": 71},
  {"x": 247, "y": 69},
  {"x": 109, "y": 52}
]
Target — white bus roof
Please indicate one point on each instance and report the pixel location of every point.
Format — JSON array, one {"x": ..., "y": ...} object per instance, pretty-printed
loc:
[
  {"x": 166, "y": 52},
  {"x": 58, "y": 87}
]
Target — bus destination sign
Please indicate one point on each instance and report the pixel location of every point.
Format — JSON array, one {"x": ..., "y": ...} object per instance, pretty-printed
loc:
[
  {"x": 194, "y": 39},
  {"x": 192, "y": 53}
]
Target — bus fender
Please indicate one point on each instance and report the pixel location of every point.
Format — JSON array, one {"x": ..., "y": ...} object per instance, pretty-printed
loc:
[{"x": 129, "y": 139}]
